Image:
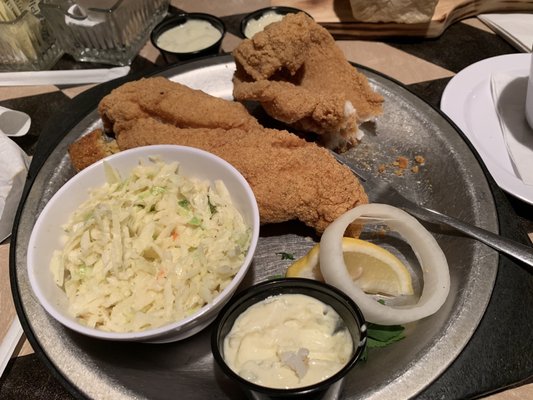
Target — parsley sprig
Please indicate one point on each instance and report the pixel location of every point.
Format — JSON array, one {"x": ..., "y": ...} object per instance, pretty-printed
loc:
[
  {"x": 379, "y": 336},
  {"x": 285, "y": 256}
]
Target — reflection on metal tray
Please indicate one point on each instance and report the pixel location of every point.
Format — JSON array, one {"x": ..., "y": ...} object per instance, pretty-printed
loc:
[{"x": 451, "y": 181}]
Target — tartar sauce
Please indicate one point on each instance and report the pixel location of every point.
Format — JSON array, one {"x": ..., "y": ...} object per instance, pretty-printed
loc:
[
  {"x": 192, "y": 35},
  {"x": 257, "y": 25},
  {"x": 288, "y": 341}
]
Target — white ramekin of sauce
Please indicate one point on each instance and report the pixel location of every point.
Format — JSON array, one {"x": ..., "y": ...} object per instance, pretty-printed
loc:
[
  {"x": 289, "y": 337},
  {"x": 257, "y": 21},
  {"x": 186, "y": 36}
]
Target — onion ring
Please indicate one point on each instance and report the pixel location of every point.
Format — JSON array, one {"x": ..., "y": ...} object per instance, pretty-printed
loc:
[{"x": 434, "y": 266}]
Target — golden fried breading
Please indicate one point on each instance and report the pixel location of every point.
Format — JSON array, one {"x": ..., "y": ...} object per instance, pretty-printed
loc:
[
  {"x": 90, "y": 148},
  {"x": 275, "y": 163},
  {"x": 291, "y": 178},
  {"x": 305, "y": 110},
  {"x": 172, "y": 103},
  {"x": 267, "y": 54},
  {"x": 300, "y": 77}
]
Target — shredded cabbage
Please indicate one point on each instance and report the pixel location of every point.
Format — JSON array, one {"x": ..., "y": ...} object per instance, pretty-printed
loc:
[{"x": 150, "y": 249}]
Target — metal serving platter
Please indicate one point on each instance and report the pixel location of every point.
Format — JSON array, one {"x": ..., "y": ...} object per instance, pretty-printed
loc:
[{"x": 451, "y": 181}]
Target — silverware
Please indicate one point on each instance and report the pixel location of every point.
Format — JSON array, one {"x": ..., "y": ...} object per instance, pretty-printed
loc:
[{"x": 383, "y": 192}]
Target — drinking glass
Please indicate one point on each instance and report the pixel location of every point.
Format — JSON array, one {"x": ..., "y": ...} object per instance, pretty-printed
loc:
[
  {"x": 26, "y": 42},
  {"x": 113, "y": 34}
]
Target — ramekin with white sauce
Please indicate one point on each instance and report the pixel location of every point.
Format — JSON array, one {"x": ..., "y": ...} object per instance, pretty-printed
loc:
[
  {"x": 186, "y": 36},
  {"x": 289, "y": 338},
  {"x": 257, "y": 21}
]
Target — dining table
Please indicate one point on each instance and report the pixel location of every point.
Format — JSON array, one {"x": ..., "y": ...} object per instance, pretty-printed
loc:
[{"x": 497, "y": 362}]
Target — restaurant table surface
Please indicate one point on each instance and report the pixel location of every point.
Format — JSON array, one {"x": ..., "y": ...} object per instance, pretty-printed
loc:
[{"x": 424, "y": 66}]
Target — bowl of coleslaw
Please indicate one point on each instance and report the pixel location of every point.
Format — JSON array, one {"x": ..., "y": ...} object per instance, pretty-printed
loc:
[{"x": 145, "y": 245}]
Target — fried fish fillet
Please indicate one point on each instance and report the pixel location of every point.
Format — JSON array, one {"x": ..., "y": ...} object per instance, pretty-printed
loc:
[
  {"x": 90, "y": 148},
  {"x": 300, "y": 77},
  {"x": 275, "y": 163},
  {"x": 291, "y": 178},
  {"x": 172, "y": 103}
]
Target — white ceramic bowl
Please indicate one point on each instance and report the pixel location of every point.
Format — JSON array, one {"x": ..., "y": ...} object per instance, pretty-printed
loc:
[{"x": 47, "y": 233}]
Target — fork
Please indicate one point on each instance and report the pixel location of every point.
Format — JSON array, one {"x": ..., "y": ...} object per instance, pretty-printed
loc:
[{"x": 383, "y": 192}]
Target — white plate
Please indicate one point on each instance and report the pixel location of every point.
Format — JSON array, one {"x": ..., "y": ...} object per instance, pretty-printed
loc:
[{"x": 467, "y": 101}]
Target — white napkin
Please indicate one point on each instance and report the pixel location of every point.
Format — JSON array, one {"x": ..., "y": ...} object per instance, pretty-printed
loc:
[
  {"x": 9, "y": 343},
  {"x": 509, "y": 97},
  {"x": 62, "y": 77},
  {"x": 13, "y": 169},
  {"x": 515, "y": 28}
]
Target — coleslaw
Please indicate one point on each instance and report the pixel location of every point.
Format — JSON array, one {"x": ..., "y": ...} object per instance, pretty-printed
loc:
[{"x": 150, "y": 249}]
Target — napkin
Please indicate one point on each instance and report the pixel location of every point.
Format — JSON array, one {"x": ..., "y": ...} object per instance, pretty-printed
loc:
[
  {"x": 9, "y": 343},
  {"x": 509, "y": 97},
  {"x": 14, "y": 165},
  {"x": 62, "y": 77},
  {"x": 515, "y": 28},
  {"x": 8, "y": 339}
]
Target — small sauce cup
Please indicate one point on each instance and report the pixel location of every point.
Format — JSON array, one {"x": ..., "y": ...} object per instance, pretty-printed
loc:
[
  {"x": 261, "y": 17},
  {"x": 343, "y": 305},
  {"x": 187, "y": 36}
]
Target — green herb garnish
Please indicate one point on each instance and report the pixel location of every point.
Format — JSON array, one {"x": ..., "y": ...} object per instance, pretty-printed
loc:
[
  {"x": 82, "y": 270},
  {"x": 143, "y": 194},
  {"x": 285, "y": 256},
  {"x": 184, "y": 203},
  {"x": 195, "y": 221},
  {"x": 379, "y": 336},
  {"x": 157, "y": 190},
  {"x": 212, "y": 207}
]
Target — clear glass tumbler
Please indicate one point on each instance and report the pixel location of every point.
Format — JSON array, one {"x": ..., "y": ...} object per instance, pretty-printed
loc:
[
  {"x": 113, "y": 34},
  {"x": 26, "y": 43}
]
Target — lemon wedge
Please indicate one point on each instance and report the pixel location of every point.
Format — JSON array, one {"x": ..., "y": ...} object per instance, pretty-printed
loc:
[
  {"x": 374, "y": 269},
  {"x": 307, "y": 266}
]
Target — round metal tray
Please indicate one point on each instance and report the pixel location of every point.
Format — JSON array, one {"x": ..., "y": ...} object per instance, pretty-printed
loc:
[{"x": 451, "y": 181}]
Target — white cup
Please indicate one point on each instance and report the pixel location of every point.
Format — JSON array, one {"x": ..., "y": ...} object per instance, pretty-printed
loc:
[
  {"x": 14, "y": 123},
  {"x": 529, "y": 96}
]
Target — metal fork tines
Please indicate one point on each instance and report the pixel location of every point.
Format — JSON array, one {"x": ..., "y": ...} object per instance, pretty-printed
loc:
[{"x": 380, "y": 191}]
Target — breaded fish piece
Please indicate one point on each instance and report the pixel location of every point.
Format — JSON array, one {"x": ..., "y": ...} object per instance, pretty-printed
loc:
[
  {"x": 90, "y": 148},
  {"x": 275, "y": 163},
  {"x": 300, "y": 77},
  {"x": 292, "y": 179},
  {"x": 172, "y": 103}
]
